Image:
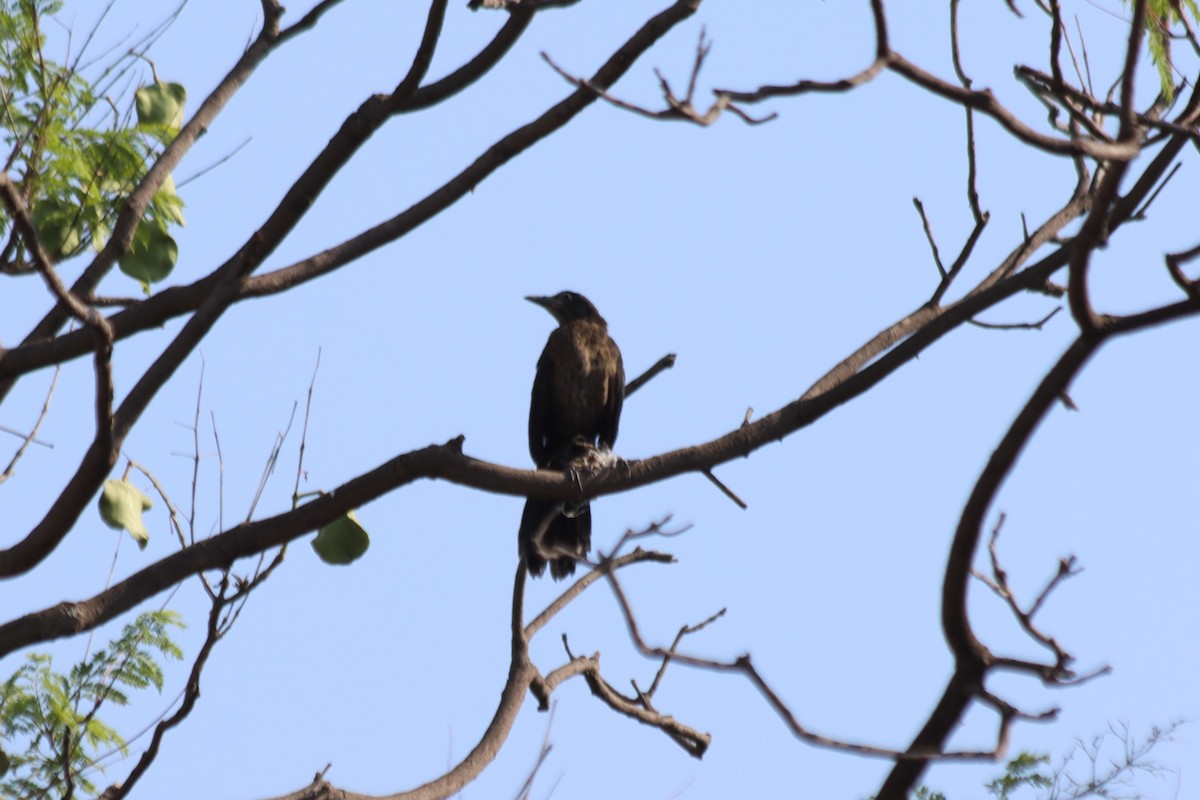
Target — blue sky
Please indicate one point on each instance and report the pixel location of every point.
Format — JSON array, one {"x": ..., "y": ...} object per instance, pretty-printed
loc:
[{"x": 762, "y": 256}]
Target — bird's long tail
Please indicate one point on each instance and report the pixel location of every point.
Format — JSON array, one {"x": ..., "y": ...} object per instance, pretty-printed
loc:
[{"x": 553, "y": 534}]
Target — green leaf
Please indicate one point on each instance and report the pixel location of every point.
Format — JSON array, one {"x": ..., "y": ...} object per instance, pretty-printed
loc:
[
  {"x": 342, "y": 541},
  {"x": 99, "y": 235},
  {"x": 1161, "y": 16},
  {"x": 121, "y": 506},
  {"x": 168, "y": 203},
  {"x": 100, "y": 735},
  {"x": 58, "y": 227},
  {"x": 1020, "y": 772},
  {"x": 1160, "y": 54},
  {"x": 161, "y": 104},
  {"x": 4, "y": 764},
  {"x": 152, "y": 255}
]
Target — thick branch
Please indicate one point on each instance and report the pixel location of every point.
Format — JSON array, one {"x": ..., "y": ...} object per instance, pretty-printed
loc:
[
  {"x": 448, "y": 462},
  {"x": 97, "y": 462},
  {"x": 522, "y": 677},
  {"x": 520, "y": 673},
  {"x": 972, "y": 659},
  {"x": 139, "y": 199},
  {"x": 102, "y": 453},
  {"x": 176, "y": 300},
  {"x": 190, "y": 695},
  {"x": 153, "y": 312},
  {"x": 691, "y": 740}
]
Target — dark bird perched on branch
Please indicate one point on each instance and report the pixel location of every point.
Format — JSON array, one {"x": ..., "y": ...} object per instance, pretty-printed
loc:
[{"x": 576, "y": 404}]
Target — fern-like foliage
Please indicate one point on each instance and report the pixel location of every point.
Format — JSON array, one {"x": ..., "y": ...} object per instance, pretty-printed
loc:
[
  {"x": 50, "y": 726},
  {"x": 1162, "y": 16}
]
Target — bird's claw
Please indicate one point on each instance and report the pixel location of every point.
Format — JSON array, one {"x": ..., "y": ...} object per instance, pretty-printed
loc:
[{"x": 576, "y": 478}]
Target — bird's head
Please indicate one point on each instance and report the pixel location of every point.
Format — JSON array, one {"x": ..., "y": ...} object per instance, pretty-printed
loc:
[{"x": 568, "y": 307}]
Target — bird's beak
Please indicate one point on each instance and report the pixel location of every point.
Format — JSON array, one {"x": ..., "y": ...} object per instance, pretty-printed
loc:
[{"x": 547, "y": 303}]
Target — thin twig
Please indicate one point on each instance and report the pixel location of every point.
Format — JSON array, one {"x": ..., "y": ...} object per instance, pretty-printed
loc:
[
  {"x": 1175, "y": 262},
  {"x": 677, "y": 108},
  {"x": 739, "y": 502},
  {"x": 1017, "y": 326},
  {"x": 937, "y": 259},
  {"x": 304, "y": 431},
  {"x": 743, "y": 666},
  {"x": 31, "y": 437},
  {"x": 172, "y": 511},
  {"x": 272, "y": 460},
  {"x": 664, "y": 363}
]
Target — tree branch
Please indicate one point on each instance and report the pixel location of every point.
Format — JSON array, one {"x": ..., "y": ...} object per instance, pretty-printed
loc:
[
  {"x": 139, "y": 199},
  {"x": 227, "y": 279}
]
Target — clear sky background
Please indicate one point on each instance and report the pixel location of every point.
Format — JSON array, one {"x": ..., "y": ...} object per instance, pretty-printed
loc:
[{"x": 762, "y": 256}]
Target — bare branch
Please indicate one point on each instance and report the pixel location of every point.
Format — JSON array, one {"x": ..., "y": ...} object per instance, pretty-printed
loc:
[
  {"x": 998, "y": 583},
  {"x": 937, "y": 259},
  {"x": 304, "y": 432},
  {"x": 1017, "y": 326},
  {"x": 1175, "y": 262},
  {"x": 1140, "y": 214},
  {"x": 521, "y": 675},
  {"x": 743, "y": 665},
  {"x": 686, "y": 630},
  {"x": 224, "y": 283},
  {"x": 982, "y": 101},
  {"x": 543, "y": 753},
  {"x": 882, "y": 53},
  {"x": 102, "y": 333},
  {"x": 1137, "y": 29},
  {"x": 725, "y": 490},
  {"x": 694, "y": 742},
  {"x": 172, "y": 511},
  {"x": 190, "y": 695},
  {"x": 664, "y": 363},
  {"x": 636, "y": 557},
  {"x": 139, "y": 199},
  {"x": 31, "y": 437},
  {"x": 677, "y": 108}
]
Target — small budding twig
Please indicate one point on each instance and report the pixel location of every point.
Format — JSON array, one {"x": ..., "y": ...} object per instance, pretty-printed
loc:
[{"x": 677, "y": 108}]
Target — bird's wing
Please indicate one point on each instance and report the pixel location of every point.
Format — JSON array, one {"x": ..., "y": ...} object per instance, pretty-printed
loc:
[
  {"x": 541, "y": 409},
  {"x": 613, "y": 403}
]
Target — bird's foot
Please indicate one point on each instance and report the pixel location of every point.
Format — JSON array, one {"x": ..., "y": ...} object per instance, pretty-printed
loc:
[
  {"x": 607, "y": 458},
  {"x": 576, "y": 478},
  {"x": 610, "y": 463}
]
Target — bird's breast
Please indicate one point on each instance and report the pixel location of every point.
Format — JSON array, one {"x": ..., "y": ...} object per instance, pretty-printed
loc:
[{"x": 584, "y": 377}]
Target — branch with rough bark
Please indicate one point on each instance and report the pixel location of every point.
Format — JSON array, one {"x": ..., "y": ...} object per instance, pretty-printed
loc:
[
  {"x": 893, "y": 347},
  {"x": 523, "y": 677},
  {"x": 1111, "y": 189},
  {"x": 224, "y": 284}
]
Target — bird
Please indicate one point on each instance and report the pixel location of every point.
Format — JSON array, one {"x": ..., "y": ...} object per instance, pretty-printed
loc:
[{"x": 574, "y": 407}]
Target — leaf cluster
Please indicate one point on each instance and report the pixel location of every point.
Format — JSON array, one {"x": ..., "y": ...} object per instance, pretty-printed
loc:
[
  {"x": 1021, "y": 772},
  {"x": 1161, "y": 17},
  {"x": 49, "y": 721},
  {"x": 76, "y": 155}
]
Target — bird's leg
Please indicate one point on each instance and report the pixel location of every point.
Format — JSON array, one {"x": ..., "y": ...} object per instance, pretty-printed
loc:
[
  {"x": 582, "y": 458},
  {"x": 575, "y": 476}
]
